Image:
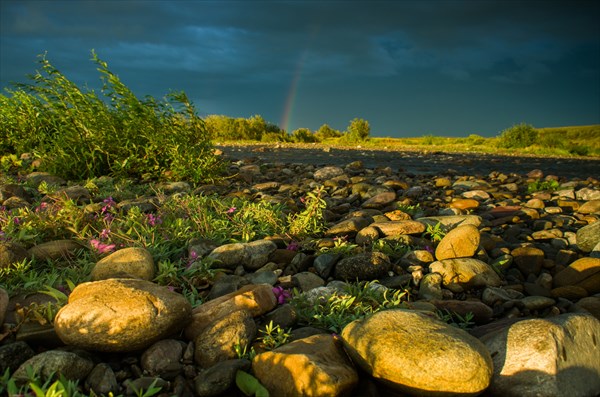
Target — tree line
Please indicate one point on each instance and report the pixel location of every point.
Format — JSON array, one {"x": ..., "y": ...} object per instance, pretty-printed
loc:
[{"x": 255, "y": 128}]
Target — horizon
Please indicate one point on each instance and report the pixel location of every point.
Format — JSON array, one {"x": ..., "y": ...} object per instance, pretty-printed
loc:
[{"x": 410, "y": 68}]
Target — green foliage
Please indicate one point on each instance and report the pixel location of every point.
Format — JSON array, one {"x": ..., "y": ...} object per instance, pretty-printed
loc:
[
  {"x": 326, "y": 132},
  {"x": 341, "y": 246},
  {"x": 355, "y": 301},
  {"x": 311, "y": 220},
  {"x": 392, "y": 248},
  {"x": 358, "y": 130},
  {"x": 234, "y": 129},
  {"x": 539, "y": 185},
  {"x": 78, "y": 135},
  {"x": 273, "y": 336},
  {"x": 249, "y": 385},
  {"x": 303, "y": 135},
  {"x": 518, "y": 136},
  {"x": 54, "y": 386},
  {"x": 435, "y": 233},
  {"x": 456, "y": 319},
  {"x": 243, "y": 352}
]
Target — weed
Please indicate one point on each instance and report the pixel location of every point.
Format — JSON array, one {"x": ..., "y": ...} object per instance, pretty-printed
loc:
[
  {"x": 273, "y": 336},
  {"x": 456, "y": 319},
  {"x": 311, "y": 220},
  {"x": 354, "y": 302},
  {"x": 538, "y": 185},
  {"x": 435, "y": 233},
  {"x": 242, "y": 352}
]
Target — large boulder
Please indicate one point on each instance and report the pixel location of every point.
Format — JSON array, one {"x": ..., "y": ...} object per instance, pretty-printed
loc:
[
  {"x": 551, "y": 357},
  {"x": 118, "y": 315},
  {"x": 312, "y": 366},
  {"x": 415, "y": 353}
]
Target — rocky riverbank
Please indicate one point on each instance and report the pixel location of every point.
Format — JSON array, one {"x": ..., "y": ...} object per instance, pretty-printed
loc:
[{"x": 522, "y": 269}]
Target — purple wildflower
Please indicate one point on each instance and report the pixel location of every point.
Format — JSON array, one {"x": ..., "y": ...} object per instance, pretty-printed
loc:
[
  {"x": 281, "y": 295},
  {"x": 100, "y": 247},
  {"x": 153, "y": 220},
  {"x": 16, "y": 220},
  {"x": 429, "y": 249},
  {"x": 293, "y": 246},
  {"x": 104, "y": 234},
  {"x": 231, "y": 210},
  {"x": 42, "y": 207}
]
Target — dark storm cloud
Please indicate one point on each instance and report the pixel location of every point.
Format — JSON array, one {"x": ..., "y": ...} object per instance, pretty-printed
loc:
[{"x": 239, "y": 58}]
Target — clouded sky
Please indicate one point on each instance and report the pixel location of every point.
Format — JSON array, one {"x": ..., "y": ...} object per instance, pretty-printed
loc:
[{"x": 410, "y": 68}]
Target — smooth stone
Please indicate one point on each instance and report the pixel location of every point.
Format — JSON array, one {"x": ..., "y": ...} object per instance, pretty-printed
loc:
[
  {"x": 460, "y": 242},
  {"x": 380, "y": 200},
  {"x": 313, "y": 366},
  {"x": 394, "y": 228},
  {"x": 570, "y": 292},
  {"x": 12, "y": 355},
  {"x": 475, "y": 195},
  {"x": 163, "y": 358},
  {"x": 588, "y": 236},
  {"x": 588, "y": 194},
  {"x": 324, "y": 264},
  {"x": 51, "y": 362},
  {"x": 590, "y": 304},
  {"x": 4, "y": 299},
  {"x": 465, "y": 273},
  {"x": 219, "y": 378},
  {"x": 11, "y": 253},
  {"x": 54, "y": 250},
  {"x": 529, "y": 260},
  {"x": 348, "y": 227},
  {"x": 414, "y": 353},
  {"x": 102, "y": 380},
  {"x": 328, "y": 172},
  {"x": 366, "y": 236},
  {"x": 464, "y": 204},
  {"x": 257, "y": 299},
  {"x": 590, "y": 207},
  {"x": 367, "y": 266},
  {"x": 134, "y": 262},
  {"x": 120, "y": 315},
  {"x": 584, "y": 272},
  {"x": 430, "y": 286},
  {"x": 217, "y": 341},
  {"x": 551, "y": 357},
  {"x": 257, "y": 253},
  {"x": 306, "y": 281},
  {"x": 228, "y": 256},
  {"x": 451, "y": 221}
]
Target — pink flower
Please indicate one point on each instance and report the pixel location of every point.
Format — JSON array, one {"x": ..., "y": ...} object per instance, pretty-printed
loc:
[
  {"x": 231, "y": 210},
  {"x": 104, "y": 234},
  {"x": 281, "y": 295},
  {"x": 293, "y": 246},
  {"x": 153, "y": 220},
  {"x": 100, "y": 247}
]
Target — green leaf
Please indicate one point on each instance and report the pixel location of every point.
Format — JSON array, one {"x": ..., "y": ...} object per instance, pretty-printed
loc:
[{"x": 249, "y": 385}]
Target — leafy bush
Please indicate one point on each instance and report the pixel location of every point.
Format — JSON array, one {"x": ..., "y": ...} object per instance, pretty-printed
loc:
[
  {"x": 358, "y": 130},
  {"x": 518, "y": 136},
  {"x": 78, "y": 135},
  {"x": 303, "y": 135}
]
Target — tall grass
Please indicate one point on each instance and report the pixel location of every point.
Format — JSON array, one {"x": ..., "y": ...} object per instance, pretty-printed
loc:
[{"x": 77, "y": 134}]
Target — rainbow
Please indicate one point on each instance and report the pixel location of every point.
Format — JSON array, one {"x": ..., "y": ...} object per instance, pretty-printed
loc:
[{"x": 286, "y": 119}]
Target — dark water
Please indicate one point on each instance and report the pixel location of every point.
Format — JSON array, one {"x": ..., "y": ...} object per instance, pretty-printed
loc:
[{"x": 421, "y": 163}]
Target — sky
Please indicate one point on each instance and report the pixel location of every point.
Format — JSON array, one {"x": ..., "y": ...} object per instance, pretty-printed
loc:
[{"x": 410, "y": 68}]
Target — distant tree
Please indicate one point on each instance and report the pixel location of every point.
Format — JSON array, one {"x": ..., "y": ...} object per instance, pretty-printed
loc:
[
  {"x": 303, "y": 135},
  {"x": 220, "y": 127},
  {"x": 518, "y": 136},
  {"x": 358, "y": 130},
  {"x": 326, "y": 132}
]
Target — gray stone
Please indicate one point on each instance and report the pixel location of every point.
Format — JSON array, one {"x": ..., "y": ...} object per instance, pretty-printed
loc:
[
  {"x": 306, "y": 281},
  {"x": 54, "y": 363},
  {"x": 324, "y": 264},
  {"x": 257, "y": 253},
  {"x": 219, "y": 378},
  {"x": 367, "y": 266},
  {"x": 430, "y": 286},
  {"x": 228, "y": 256},
  {"x": 217, "y": 342},
  {"x": 163, "y": 359},
  {"x": 552, "y": 357},
  {"x": 12, "y": 355},
  {"x": 348, "y": 227},
  {"x": 328, "y": 172},
  {"x": 102, "y": 380}
]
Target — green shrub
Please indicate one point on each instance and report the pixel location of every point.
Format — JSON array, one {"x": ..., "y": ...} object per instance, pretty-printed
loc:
[
  {"x": 518, "y": 136},
  {"x": 78, "y": 135}
]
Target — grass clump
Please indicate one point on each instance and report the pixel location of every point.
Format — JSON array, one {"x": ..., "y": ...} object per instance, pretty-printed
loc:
[
  {"x": 77, "y": 134},
  {"x": 354, "y": 301},
  {"x": 539, "y": 185}
]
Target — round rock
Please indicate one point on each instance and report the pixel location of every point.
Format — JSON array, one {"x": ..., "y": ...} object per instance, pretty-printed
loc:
[
  {"x": 460, "y": 242},
  {"x": 416, "y": 354},
  {"x": 134, "y": 262},
  {"x": 120, "y": 315}
]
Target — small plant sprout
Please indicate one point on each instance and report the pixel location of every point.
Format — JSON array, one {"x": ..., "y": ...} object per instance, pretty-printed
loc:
[{"x": 273, "y": 336}]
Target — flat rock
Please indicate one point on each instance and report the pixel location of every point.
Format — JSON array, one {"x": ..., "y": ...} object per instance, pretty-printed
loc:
[
  {"x": 120, "y": 315},
  {"x": 313, "y": 366},
  {"x": 417, "y": 354},
  {"x": 54, "y": 249},
  {"x": 394, "y": 228},
  {"x": 464, "y": 273},
  {"x": 552, "y": 357},
  {"x": 134, "y": 262},
  {"x": 584, "y": 272}
]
